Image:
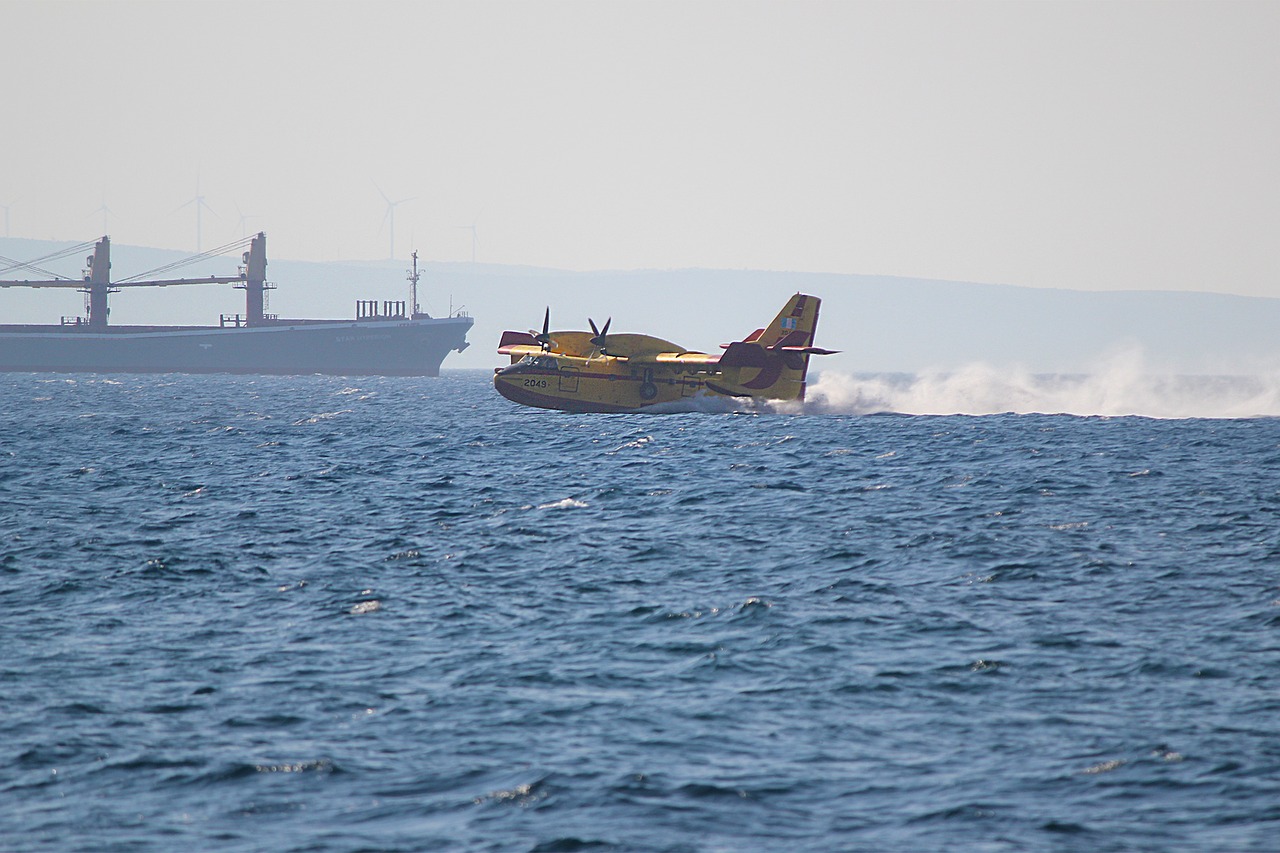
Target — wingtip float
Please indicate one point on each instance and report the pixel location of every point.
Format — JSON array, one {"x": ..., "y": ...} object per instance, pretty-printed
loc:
[{"x": 597, "y": 371}]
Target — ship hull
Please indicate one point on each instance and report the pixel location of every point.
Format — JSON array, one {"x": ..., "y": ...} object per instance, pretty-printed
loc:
[{"x": 285, "y": 347}]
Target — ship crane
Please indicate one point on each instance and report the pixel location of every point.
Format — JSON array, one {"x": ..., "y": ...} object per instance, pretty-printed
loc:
[{"x": 97, "y": 285}]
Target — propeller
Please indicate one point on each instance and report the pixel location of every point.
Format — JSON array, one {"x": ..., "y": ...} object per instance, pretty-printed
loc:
[
  {"x": 599, "y": 339},
  {"x": 545, "y": 337}
]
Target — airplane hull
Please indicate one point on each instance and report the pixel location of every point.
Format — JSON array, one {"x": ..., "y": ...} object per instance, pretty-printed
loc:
[
  {"x": 526, "y": 397},
  {"x": 572, "y": 390}
]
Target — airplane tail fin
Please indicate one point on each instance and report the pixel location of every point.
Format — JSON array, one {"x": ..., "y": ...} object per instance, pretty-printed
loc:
[
  {"x": 794, "y": 325},
  {"x": 773, "y": 362}
]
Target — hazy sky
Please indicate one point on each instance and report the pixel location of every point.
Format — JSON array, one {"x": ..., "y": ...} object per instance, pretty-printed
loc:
[{"x": 1085, "y": 145}]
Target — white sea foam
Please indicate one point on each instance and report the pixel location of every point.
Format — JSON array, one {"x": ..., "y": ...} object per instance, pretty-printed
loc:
[
  {"x": 567, "y": 503},
  {"x": 716, "y": 404},
  {"x": 1120, "y": 386},
  {"x": 323, "y": 416}
]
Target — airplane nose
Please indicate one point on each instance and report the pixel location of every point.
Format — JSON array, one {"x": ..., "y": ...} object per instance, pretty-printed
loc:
[{"x": 506, "y": 387}]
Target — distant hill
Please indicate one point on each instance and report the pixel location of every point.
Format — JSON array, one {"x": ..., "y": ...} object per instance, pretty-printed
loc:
[{"x": 881, "y": 323}]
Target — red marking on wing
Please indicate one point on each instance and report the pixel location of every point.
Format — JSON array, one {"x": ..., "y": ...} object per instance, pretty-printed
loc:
[{"x": 515, "y": 339}]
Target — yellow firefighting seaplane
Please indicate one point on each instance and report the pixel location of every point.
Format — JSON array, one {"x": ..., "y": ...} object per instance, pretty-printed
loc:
[{"x": 599, "y": 372}]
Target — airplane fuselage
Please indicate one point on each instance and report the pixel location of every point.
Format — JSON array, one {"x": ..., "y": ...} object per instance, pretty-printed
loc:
[{"x": 600, "y": 384}]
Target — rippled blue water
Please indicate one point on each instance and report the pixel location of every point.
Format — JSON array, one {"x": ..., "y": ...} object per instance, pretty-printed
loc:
[{"x": 404, "y": 614}]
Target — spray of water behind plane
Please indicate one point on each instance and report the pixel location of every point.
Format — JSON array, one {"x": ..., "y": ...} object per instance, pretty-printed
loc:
[{"x": 1117, "y": 389}]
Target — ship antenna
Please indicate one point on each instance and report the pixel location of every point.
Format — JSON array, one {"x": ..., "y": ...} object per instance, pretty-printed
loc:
[{"x": 413, "y": 284}]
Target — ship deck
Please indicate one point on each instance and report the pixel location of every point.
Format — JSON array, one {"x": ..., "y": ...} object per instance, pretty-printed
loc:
[{"x": 84, "y": 328}]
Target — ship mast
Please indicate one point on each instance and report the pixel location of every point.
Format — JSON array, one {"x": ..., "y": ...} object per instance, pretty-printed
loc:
[
  {"x": 413, "y": 277},
  {"x": 254, "y": 276},
  {"x": 98, "y": 284}
]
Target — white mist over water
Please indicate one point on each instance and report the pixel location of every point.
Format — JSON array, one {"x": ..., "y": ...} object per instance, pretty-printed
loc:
[{"x": 1119, "y": 388}]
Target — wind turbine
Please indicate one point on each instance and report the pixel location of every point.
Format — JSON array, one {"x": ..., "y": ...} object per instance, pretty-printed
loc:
[
  {"x": 104, "y": 210},
  {"x": 390, "y": 215},
  {"x": 200, "y": 204},
  {"x": 474, "y": 239},
  {"x": 243, "y": 220}
]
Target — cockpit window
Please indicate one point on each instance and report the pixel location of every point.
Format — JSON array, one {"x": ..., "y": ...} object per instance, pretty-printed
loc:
[{"x": 545, "y": 362}]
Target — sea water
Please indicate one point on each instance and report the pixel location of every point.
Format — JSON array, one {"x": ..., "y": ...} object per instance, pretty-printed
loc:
[{"x": 405, "y": 614}]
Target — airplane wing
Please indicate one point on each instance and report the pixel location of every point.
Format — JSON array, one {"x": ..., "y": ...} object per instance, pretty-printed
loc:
[
  {"x": 646, "y": 349},
  {"x": 519, "y": 351},
  {"x": 690, "y": 358},
  {"x": 640, "y": 347},
  {"x": 572, "y": 343},
  {"x": 737, "y": 354},
  {"x": 565, "y": 343}
]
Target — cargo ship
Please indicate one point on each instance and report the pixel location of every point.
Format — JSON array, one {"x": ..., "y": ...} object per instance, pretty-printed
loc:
[{"x": 387, "y": 338}]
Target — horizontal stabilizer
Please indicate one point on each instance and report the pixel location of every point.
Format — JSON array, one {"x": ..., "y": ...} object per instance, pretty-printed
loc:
[{"x": 811, "y": 350}]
